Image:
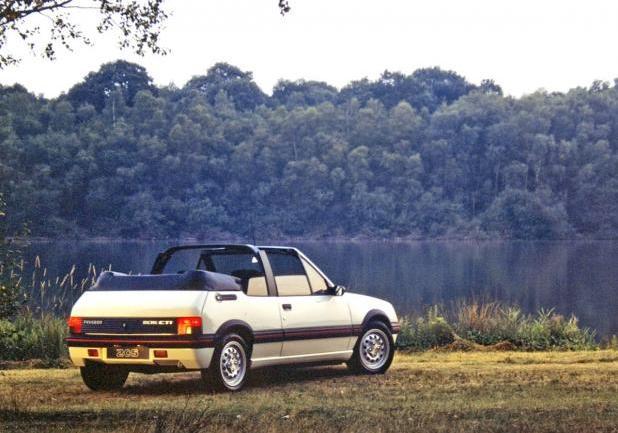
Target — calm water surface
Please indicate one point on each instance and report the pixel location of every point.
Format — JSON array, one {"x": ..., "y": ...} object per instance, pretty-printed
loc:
[{"x": 573, "y": 277}]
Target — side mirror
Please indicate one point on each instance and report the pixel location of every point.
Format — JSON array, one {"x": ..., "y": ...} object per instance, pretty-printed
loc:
[{"x": 338, "y": 290}]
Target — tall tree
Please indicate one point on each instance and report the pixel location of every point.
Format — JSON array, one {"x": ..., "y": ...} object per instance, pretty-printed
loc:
[
  {"x": 120, "y": 76},
  {"x": 237, "y": 85}
]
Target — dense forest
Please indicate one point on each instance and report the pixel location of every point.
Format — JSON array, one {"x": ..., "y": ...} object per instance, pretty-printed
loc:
[{"x": 424, "y": 155}]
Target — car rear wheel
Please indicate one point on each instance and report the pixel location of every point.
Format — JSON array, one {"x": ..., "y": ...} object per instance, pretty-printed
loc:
[
  {"x": 374, "y": 350},
  {"x": 101, "y": 377},
  {"x": 229, "y": 366}
]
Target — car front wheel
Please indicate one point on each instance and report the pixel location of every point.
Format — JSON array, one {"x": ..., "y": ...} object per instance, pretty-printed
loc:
[
  {"x": 374, "y": 350},
  {"x": 101, "y": 377},
  {"x": 229, "y": 366}
]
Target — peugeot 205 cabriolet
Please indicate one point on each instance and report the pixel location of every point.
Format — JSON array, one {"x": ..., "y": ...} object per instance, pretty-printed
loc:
[{"x": 224, "y": 310}]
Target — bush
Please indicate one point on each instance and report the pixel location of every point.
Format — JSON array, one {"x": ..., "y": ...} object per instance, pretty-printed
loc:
[
  {"x": 487, "y": 323},
  {"x": 10, "y": 297},
  {"x": 492, "y": 324},
  {"x": 28, "y": 337},
  {"x": 11, "y": 266},
  {"x": 425, "y": 332},
  {"x": 549, "y": 330}
]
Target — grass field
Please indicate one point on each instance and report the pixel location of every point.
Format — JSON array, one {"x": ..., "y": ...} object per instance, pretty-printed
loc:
[{"x": 428, "y": 392}]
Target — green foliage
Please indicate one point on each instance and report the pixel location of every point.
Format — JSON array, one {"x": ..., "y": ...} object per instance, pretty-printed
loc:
[
  {"x": 234, "y": 83},
  {"x": 552, "y": 331},
  {"x": 420, "y": 155},
  {"x": 27, "y": 337},
  {"x": 425, "y": 332},
  {"x": 521, "y": 214},
  {"x": 121, "y": 76},
  {"x": 489, "y": 324},
  {"x": 11, "y": 296}
]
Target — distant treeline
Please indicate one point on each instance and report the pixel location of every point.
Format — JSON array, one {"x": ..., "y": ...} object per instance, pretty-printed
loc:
[{"x": 421, "y": 155}]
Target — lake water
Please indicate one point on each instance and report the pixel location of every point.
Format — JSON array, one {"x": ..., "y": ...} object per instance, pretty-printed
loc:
[{"x": 572, "y": 277}]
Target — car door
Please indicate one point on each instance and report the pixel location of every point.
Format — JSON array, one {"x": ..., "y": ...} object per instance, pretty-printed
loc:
[
  {"x": 314, "y": 321},
  {"x": 255, "y": 306}
]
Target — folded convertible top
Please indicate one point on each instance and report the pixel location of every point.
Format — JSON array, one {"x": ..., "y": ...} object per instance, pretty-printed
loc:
[{"x": 190, "y": 280}]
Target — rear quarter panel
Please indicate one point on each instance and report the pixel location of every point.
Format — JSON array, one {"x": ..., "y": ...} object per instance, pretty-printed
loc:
[{"x": 260, "y": 313}]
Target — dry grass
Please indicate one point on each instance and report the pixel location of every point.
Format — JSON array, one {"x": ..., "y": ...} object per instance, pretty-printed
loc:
[{"x": 428, "y": 392}]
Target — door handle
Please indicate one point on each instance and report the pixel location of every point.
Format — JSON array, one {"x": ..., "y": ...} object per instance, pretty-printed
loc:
[{"x": 287, "y": 307}]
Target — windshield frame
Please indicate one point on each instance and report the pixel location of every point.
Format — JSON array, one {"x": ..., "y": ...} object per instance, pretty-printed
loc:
[{"x": 163, "y": 258}]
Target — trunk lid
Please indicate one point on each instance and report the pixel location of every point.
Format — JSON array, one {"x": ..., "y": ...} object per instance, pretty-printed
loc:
[{"x": 140, "y": 304}]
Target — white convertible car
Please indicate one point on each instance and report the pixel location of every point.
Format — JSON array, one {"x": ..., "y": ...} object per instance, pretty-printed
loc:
[{"x": 223, "y": 310}]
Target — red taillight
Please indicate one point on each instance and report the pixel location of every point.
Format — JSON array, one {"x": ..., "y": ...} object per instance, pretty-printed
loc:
[
  {"x": 160, "y": 353},
  {"x": 75, "y": 325},
  {"x": 93, "y": 352},
  {"x": 189, "y": 325}
]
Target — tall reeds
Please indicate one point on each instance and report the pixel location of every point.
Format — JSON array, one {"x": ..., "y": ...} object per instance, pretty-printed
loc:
[
  {"x": 54, "y": 295},
  {"x": 38, "y": 329}
]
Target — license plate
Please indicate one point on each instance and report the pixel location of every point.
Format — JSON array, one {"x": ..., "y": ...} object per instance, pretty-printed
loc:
[{"x": 127, "y": 352}]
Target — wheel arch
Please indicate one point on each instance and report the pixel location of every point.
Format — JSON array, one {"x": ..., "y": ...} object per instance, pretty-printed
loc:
[
  {"x": 376, "y": 315},
  {"x": 239, "y": 327}
]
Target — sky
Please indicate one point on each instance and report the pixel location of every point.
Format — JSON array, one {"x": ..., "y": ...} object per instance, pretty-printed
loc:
[{"x": 524, "y": 45}]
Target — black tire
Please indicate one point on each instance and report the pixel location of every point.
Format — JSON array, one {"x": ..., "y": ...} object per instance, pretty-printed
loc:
[
  {"x": 381, "y": 334},
  {"x": 101, "y": 377},
  {"x": 234, "y": 352}
]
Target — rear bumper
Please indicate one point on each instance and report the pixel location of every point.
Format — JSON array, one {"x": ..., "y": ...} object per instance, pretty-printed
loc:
[
  {"x": 182, "y": 352},
  {"x": 187, "y": 358}
]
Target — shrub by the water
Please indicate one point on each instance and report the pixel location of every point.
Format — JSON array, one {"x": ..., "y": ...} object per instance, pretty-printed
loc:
[
  {"x": 487, "y": 323},
  {"x": 424, "y": 332},
  {"x": 28, "y": 337},
  {"x": 492, "y": 324}
]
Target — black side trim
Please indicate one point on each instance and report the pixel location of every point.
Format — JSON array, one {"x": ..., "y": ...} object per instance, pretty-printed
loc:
[
  {"x": 319, "y": 332},
  {"x": 158, "y": 342},
  {"x": 209, "y": 340},
  {"x": 269, "y": 336},
  {"x": 221, "y": 297},
  {"x": 309, "y": 333}
]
